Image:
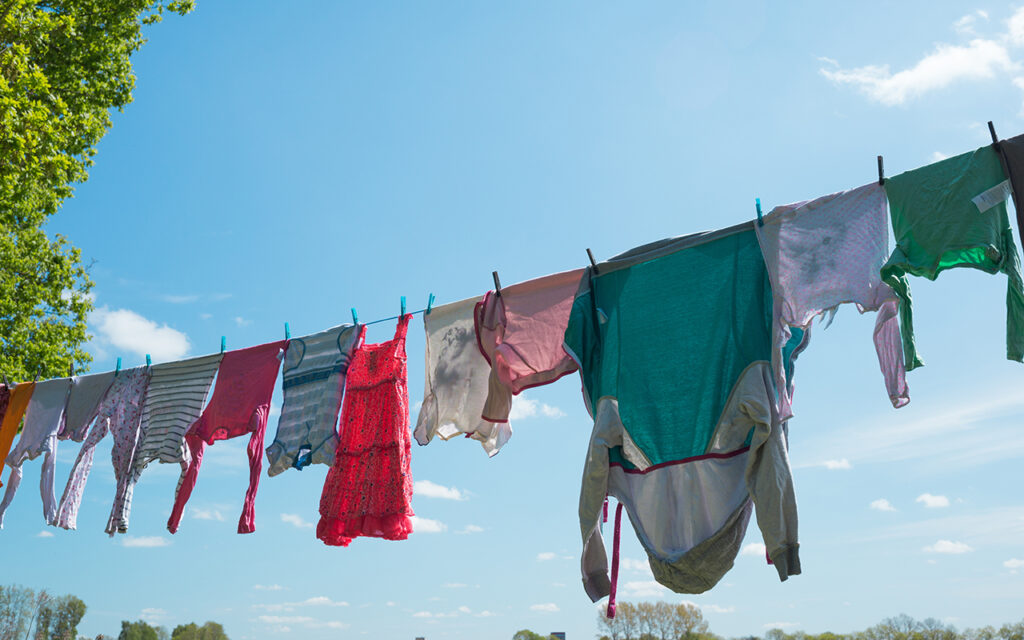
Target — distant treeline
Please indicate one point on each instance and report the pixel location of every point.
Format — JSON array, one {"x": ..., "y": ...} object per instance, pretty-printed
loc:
[
  {"x": 29, "y": 615},
  {"x": 665, "y": 621}
]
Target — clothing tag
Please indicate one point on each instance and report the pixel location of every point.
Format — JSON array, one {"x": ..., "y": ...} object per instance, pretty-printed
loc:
[{"x": 990, "y": 198}]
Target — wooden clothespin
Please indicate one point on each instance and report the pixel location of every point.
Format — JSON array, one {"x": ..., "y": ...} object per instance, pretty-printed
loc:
[{"x": 881, "y": 172}]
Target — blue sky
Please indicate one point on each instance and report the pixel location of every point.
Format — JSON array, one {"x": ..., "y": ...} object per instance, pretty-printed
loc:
[{"x": 283, "y": 162}]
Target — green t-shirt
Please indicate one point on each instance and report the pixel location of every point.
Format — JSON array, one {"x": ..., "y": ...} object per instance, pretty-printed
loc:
[{"x": 939, "y": 223}]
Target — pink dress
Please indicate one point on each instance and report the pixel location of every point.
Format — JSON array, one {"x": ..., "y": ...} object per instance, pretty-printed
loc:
[
  {"x": 240, "y": 405},
  {"x": 368, "y": 491}
]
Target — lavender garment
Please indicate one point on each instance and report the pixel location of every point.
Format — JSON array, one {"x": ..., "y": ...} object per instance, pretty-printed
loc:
[
  {"x": 827, "y": 252},
  {"x": 84, "y": 400},
  {"x": 120, "y": 413}
]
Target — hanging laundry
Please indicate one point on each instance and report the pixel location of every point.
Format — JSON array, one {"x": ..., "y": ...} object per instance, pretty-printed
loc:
[
  {"x": 823, "y": 253},
  {"x": 313, "y": 383},
  {"x": 240, "y": 405},
  {"x": 368, "y": 491},
  {"x": 520, "y": 333},
  {"x": 456, "y": 380},
  {"x": 953, "y": 214},
  {"x": 86, "y": 394},
  {"x": 673, "y": 340},
  {"x": 1013, "y": 157},
  {"x": 39, "y": 437},
  {"x": 20, "y": 395},
  {"x": 173, "y": 401},
  {"x": 120, "y": 413}
]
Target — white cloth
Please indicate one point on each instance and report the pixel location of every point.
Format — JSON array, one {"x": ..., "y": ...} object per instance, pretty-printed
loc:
[
  {"x": 39, "y": 437},
  {"x": 456, "y": 380}
]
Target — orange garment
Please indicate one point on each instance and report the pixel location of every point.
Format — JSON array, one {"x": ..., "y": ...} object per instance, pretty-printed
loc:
[{"x": 15, "y": 410}]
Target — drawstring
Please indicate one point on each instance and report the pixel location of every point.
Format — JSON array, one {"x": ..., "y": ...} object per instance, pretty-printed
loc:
[
  {"x": 605, "y": 517},
  {"x": 615, "y": 561}
]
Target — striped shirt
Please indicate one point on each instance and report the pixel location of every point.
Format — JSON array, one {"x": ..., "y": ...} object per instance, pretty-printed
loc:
[{"x": 173, "y": 402}]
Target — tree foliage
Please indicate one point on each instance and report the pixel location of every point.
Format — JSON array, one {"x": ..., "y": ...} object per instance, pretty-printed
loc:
[
  {"x": 59, "y": 617},
  {"x": 191, "y": 631},
  {"x": 904, "y": 627},
  {"x": 654, "y": 621},
  {"x": 526, "y": 634},
  {"x": 27, "y": 614},
  {"x": 64, "y": 64},
  {"x": 138, "y": 630}
]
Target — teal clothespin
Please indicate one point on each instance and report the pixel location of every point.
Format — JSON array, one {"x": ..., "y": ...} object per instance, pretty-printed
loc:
[
  {"x": 760, "y": 220},
  {"x": 118, "y": 369},
  {"x": 287, "y": 332},
  {"x": 403, "y": 305},
  {"x": 355, "y": 316},
  {"x": 149, "y": 361},
  {"x": 223, "y": 343},
  {"x": 430, "y": 305}
]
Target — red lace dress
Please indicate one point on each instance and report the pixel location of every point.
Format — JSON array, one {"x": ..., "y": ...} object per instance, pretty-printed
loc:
[{"x": 368, "y": 491}]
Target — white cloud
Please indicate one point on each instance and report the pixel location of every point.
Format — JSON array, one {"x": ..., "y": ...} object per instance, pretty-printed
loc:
[
  {"x": 714, "y": 608},
  {"x": 426, "y": 525},
  {"x": 523, "y": 408},
  {"x": 471, "y": 528},
  {"x": 297, "y": 520},
  {"x": 206, "y": 514},
  {"x": 634, "y": 564},
  {"x": 144, "y": 541},
  {"x": 455, "y": 585},
  {"x": 643, "y": 589},
  {"x": 268, "y": 587},
  {"x": 485, "y": 614},
  {"x": 429, "y": 489},
  {"x": 465, "y": 609},
  {"x": 285, "y": 619},
  {"x": 44, "y": 534},
  {"x": 546, "y": 555},
  {"x": 205, "y": 316},
  {"x": 242, "y": 322},
  {"x": 547, "y": 607},
  {"x": 389, "y": 603},
  {"x": 179, "y": 299},
  {"x": 322, "y": 601},
  {"x": 932, "y": 502},
  {"x": 882, "y": 505},
  {"x": 947, "y": 546},
  {"x": 979, "y": 59},
  {"x": 754, "y": 549},
  {"x": 965, "y": 25},
  {"x": 937, "y": 156},
  {"x": 152, "y": 614},
  {"x": 423, "y": 614},
  {"x": 837, "y": 465},
  {"x": 126, "y": 331},
  {"x": 1013, "y": 563},
  {"x": 1015, "y": 27},
  {"x": 780, "y": 625}
]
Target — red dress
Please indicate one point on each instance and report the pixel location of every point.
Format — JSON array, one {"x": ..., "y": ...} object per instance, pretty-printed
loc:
[{"x": 368, "y": 491}]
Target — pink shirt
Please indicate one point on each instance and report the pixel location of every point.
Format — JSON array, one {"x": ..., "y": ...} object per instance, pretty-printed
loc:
[
  {"x": 240, "y": 405},
  {"x": 520, "y": 332},
  {"x": 827, "y": 252}
]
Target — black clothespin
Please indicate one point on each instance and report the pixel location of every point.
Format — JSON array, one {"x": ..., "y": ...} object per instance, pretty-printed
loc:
[
  {"x": 430, "y": 305},
  {"x": 881, "y": 172},
  {"x": 992, "y": 132},
  {"x": 71, "y": 370},
  {"x": 760, "y": 220},
  {"x": 39, "y": 372},
  {"x": 593, "y": 263},
  {"x": 223, "y": 343},
  {"x": 497, "y": 283},
  {"x": 403, "y": 306},
  {"x": 118, "y": 369},
  {"x": 287, "y": 332},
  {"x": 7, "y": 382},
  {"x": 355, "y": 317}
]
